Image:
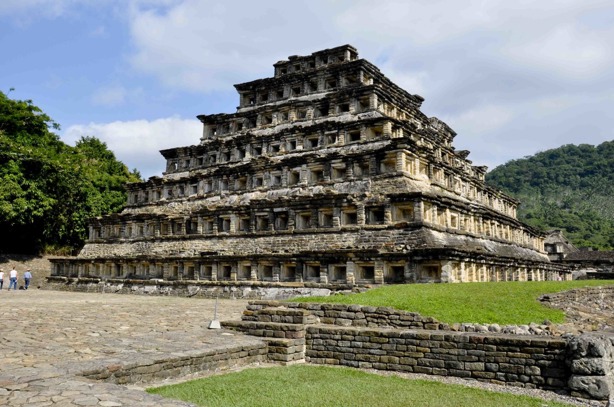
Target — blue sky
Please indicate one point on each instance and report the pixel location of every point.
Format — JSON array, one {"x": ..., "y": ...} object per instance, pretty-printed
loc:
[{"x": 512, "y": 78}]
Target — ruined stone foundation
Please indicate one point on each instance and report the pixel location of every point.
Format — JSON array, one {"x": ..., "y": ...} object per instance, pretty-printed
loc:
[{"x": 327, "y": 173}]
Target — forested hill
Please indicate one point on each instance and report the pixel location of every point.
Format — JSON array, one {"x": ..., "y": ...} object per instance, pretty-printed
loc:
[
  {"x": 48, "y": 189},
  {"x": 569, "y": 188}
]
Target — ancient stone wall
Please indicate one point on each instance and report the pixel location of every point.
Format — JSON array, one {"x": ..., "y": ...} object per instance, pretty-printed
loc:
[
  {"x": 178, "y": 366},
  {"x": 534, "y": 362},
  {"x": 386, "y": 339},
  {"x": 204, "y": 289}
]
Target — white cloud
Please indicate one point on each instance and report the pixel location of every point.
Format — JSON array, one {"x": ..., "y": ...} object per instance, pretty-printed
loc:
[
  {"x": 137, "y": 143},
  {"x": 483, "y": 120}
]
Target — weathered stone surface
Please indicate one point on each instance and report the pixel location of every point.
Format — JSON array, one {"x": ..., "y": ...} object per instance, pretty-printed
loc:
[
  {"x": 327, "y": 173},
  {"x": 594, "y": 387}
]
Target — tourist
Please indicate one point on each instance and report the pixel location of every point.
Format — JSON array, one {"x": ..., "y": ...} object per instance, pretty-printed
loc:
[
  {"x": 1, "y": 278},
  {"x": 27, "y": 276},
  {"x": 13, "y": 279}
]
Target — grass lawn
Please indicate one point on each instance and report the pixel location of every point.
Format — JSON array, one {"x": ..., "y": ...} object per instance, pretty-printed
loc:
[
  {"x": 503, "y": 303},
  {"x": 319, "y": 386}
]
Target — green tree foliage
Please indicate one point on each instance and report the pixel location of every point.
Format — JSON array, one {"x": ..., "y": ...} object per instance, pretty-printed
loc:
[
  {"x": 567, "y": 188},
  {"x": 48, "y": 190}
]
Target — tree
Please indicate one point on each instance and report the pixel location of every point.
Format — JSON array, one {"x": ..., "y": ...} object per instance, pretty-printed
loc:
[
  {"x": 48, "y": 190},
  {"x": 565, "y": 188}
]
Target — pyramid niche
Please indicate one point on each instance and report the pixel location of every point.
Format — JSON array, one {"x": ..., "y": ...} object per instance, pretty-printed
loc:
[{"x": 327, "y": 173}]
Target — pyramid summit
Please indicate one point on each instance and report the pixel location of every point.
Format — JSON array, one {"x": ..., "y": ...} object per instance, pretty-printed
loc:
[{"x": 327, "y": 173}]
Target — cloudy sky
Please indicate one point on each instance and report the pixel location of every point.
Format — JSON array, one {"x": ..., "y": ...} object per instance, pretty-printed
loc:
[{"x": 512, "y": 78}]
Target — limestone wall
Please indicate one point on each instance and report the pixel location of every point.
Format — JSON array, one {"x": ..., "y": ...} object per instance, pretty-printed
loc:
[
  {"x": 519, "y": 361},
  {"x": 202, "y": 289},
  {"x": 387, "y": 339}
]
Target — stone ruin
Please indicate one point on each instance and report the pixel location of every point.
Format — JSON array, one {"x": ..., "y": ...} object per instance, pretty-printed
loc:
[{"x": 328, "y": 173}]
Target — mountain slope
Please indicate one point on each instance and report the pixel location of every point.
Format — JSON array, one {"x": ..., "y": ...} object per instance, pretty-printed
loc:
[{"x": 569, "y": 188}]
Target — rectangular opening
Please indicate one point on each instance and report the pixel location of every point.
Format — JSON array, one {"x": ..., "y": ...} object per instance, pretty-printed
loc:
[
  {"x": 258, "y": 181},
  {"x": 350, "y": 218},
  {"x": 224, "y": 225},
  {"x": 288, "y": 272},
  {"x": 403, "y": 213},
  {"x": 262, "y": 223},
  {"x": 366, "y": 272},
  {"x": 375, "y": 215},
  {"x": 291, "y": 145},
  {"x": 339, "y": 273},
  {"x": 281, "y": 221},
  {"x": 279, "y": 94},
  {"x": 326, "y": 219},
  {"x": 226, "y": 271},
  {"x": 330, "y": 139},
  {"x": 275, "y": 179},
  {"x": 344, "y": 107},
  {"x": 294, "y": 177},
  {"x": 208, "y": 226},
  {"x": 353, "y": 136},
  {"x": 311, "y": 142},
  {"x": 395, "y": 274},
  {"x": 313, "y": 271},
  {"x": 244, "y": 224},
  {"x": 303, "y": 220},
  {"x": 240, "y": 183},
  {"x": 322, "y": 110},
  {"x": 266, "y": 273},
  {"x": 317, "y": 175},
  {"x": 207, "y": 272},
  {"x": 338, "y": 173},
  {"x": 275, "y": 148},
  {"x": 364, "y": 104},
  {"x": 245, "y": 272}
]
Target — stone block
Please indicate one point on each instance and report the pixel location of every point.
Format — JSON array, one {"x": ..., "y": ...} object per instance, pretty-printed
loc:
[{"x": 595, "y": 387}]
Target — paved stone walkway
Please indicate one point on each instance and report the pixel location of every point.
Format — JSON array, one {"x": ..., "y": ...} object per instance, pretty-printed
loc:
[{"x": 49, "y": 338}]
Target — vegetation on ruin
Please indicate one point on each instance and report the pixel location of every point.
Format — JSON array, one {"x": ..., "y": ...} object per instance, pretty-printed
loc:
[
  {"x": 568, "y": 188},
  {"x": 504, "y": 303},
  {"x": 48, "y": 189},
  {"x": 304, "y": 385}
]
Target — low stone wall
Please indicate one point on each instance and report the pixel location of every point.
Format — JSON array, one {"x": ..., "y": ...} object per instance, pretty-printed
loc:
[
  {"x": 179, "y": 366},
  {"x": 195, "y": 288},
  {"x": 387, "y": 339},
  {"x": 502, "y": 359},
  {"x": 386, "y": 317}
]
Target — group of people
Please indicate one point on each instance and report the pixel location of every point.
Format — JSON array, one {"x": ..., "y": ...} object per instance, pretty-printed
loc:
[{"x": 13, "y": 277}]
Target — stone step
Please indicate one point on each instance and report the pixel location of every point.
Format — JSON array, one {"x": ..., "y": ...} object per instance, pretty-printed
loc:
[
  {"x": 267, "y": 329},
  {"x": 280, "y": 315}
]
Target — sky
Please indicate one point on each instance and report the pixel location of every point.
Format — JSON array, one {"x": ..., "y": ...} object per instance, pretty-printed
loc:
[{"x": 511, "y": 78}]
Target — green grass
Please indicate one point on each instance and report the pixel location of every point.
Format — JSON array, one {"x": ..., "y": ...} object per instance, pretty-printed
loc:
[
  {"x": 321, "y": 386},
  {"x": 502, "y": 303}
]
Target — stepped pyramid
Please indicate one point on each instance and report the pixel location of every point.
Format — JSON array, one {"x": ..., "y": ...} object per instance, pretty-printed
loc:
[{"x": 327, "y": 173}]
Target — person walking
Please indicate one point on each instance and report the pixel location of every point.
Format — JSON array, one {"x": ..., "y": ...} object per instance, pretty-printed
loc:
[
  {"x": 1, "y": 278},
  {"x": 27, "y": 276},
  {"x": 13, "y": 279}
]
